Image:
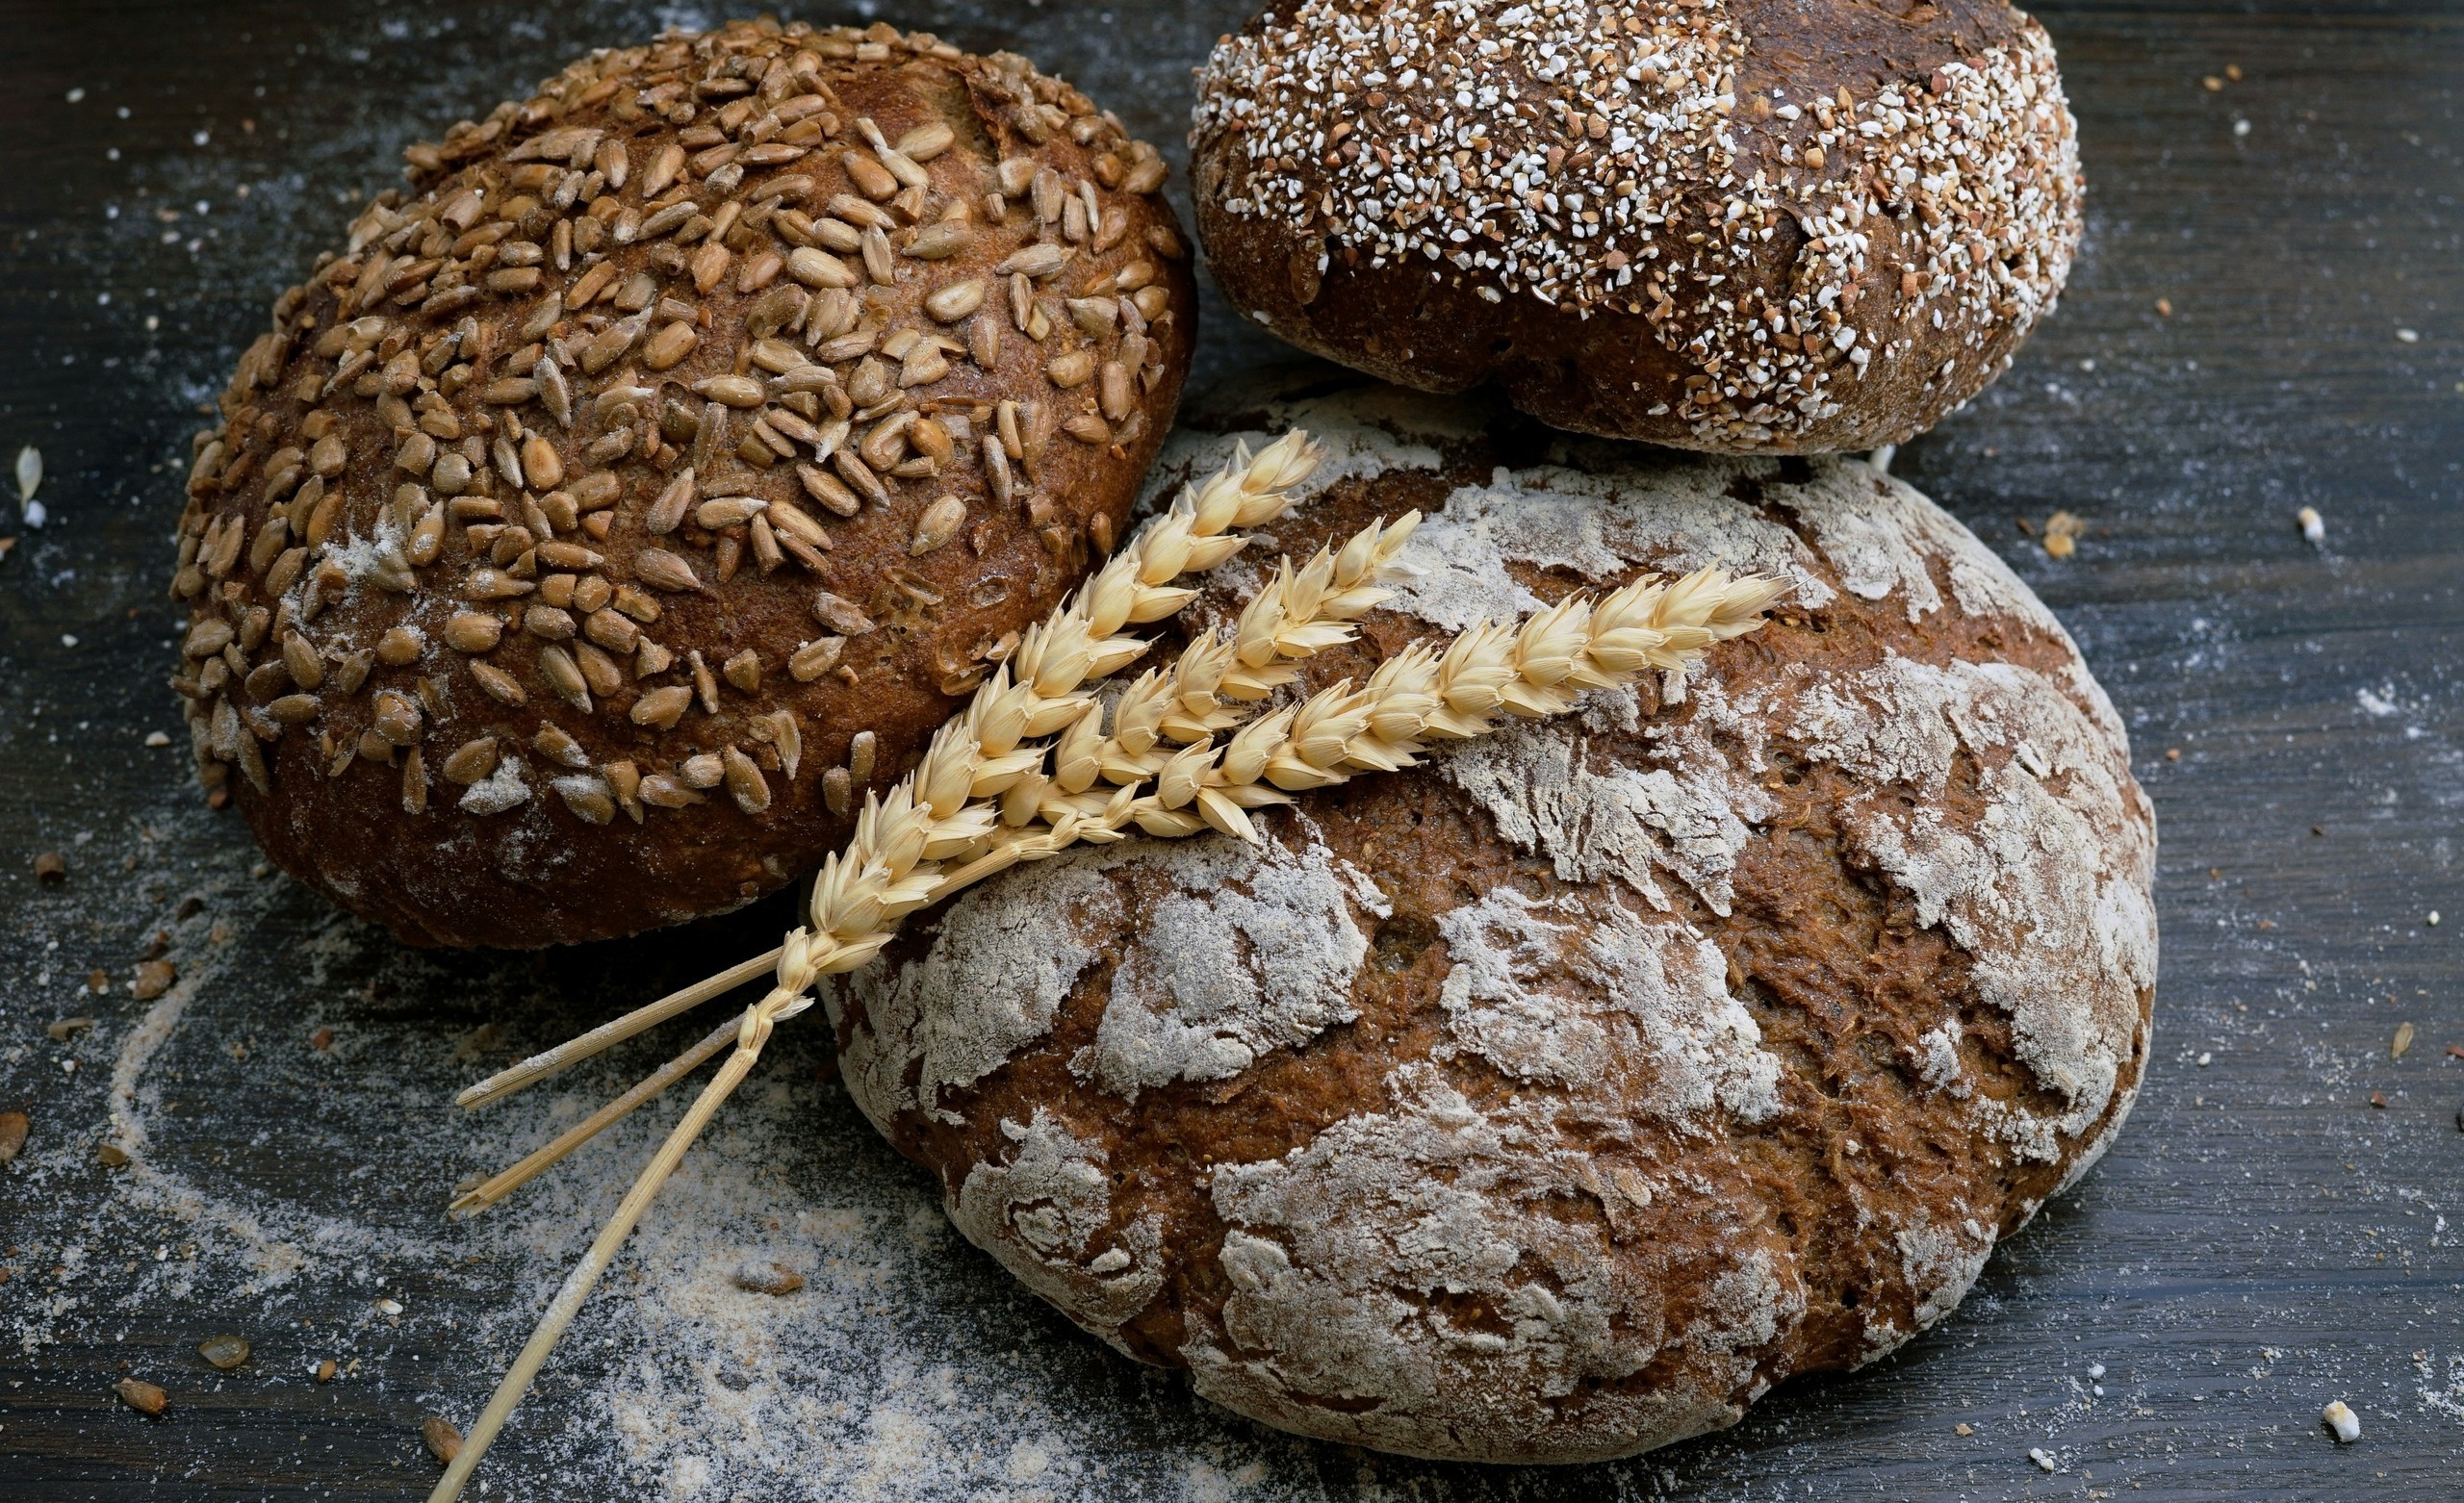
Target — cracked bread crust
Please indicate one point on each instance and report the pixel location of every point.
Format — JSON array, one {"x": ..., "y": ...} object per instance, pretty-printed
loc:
[{"x": 1551, "y": 1102}]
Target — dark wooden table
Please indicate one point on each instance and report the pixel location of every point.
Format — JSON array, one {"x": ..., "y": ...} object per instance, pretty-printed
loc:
[{"x": 2266, "y": 1236}]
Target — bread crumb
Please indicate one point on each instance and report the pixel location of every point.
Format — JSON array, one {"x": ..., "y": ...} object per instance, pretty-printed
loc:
[
  {"x": 2037, "y": 1453},
  {"x": 2402, "y": 1041},
  {"x": 2340, "y": 1418},
  {"x": 2062, "y": 533},
  {"x": 1964, "y": 1430},
  {"x": 147, "y": 1399}
]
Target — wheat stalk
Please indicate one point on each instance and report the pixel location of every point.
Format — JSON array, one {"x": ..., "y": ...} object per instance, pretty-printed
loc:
[{"x": 987, "y": 796}]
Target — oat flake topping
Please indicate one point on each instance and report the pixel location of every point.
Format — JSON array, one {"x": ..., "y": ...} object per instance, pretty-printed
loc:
[{"x": 1599, "y": 158}]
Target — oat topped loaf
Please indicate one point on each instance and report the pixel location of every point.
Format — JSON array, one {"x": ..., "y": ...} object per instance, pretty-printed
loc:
[
  {"x": 1552, "y": 1100},
  {"x": 580, "y": 546},
  {"x": 1741, "y": 226}
]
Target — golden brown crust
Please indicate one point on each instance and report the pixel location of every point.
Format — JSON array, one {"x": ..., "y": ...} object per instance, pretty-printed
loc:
[
  {"x": 580, "y": 547},
  {"x": 1747, "y": 225}
]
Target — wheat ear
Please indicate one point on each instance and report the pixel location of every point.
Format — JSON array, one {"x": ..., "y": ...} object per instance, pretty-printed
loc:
[
  {"x": 981, "y": 801},
  {"x": 1080, "y": 641}
]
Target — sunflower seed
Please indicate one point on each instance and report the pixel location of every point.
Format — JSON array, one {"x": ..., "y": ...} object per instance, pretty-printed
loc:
[
  {"x": 816, "y": 267},
  {"x": 736, "y": 391},
  {"x": 1051, "y": 190},
  {"x": 942, "y": 241},
  {"x": 500, "y": 685},
  {"x": 352, "y": 672},
  {"x": 878, "y": 262},
  {"x": 1095, "y": 315},
  {"x": 471, "y": 762},
  {"x": 470, "y": 631},
  {"x": 555, "y": 745},
  {"x": 1071, "y": 370},
  {"x": 564, "y": 677},
  {"x": 399, "y": 647},
  {"x": 840, "y": 614},
  {"x": 668, "y": 347},
  {"x": 396, "y": 718},
  {"x": 940, "y": 523},
  {"x": 815, "y": 658},
  {"x": 745, "y": 782},
  {"x": 1038, "y": 261},
  {"x": 861, "y": 749},
  {"x": 664, "y": 571},
  {"x": 662, "y": 708},
  {"x": 1115, "y": 397},
  {"x": 949, "y": 304}
]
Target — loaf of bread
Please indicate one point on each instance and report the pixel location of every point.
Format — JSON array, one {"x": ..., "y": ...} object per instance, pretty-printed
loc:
[
  {"x": 1554, "y": 1100},
  {"x": 581, "y": 545},
  {"x": 1742, "y": 225}
]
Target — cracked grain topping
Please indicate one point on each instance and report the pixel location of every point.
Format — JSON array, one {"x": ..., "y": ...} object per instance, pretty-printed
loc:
[
  {"x": 687, "y": 437},
  {"x": 1805, "y": 240}
]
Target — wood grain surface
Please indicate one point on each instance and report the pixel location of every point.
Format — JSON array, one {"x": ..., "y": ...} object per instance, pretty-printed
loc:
[{"x": 2264, "y": 1238}]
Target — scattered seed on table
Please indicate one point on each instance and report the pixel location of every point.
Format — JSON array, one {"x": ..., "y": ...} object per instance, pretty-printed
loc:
[
  {"x": 321, "y": 1040},
  {"x": 444, "y": 1442},
  {"x": 142, "y": 1396},
  {"x": 67, "y": 1028},
  {"x": 325, "y": 1370},
  {"x": 111, "y": 1156},
  {"x": 51, "y": 867},
  {"x": 154, "y": 978},
  {"x": 225, "y": 1352},
  {"x": 2402, "y": 1041},
  {"x": 768, "y": 1278},
  {"x": 13, "y": 1135}
]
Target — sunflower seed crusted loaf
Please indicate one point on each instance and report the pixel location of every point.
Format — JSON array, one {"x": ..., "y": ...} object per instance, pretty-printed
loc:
[
  {"x": 579, "y": 546},
  {"x": 1554, "y": 1100},
  {"x": 1737, "y": 225}
]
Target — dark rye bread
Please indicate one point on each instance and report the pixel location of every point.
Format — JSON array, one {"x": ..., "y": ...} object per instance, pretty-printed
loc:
[
  {"x": 1552, "y": 1101},
  {"x": 581, "y": 545},
  {"x": 1804, "y": 226}
]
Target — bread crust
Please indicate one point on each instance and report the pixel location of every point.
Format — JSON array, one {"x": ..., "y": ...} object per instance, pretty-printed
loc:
[
  {"x": 1728, "y": 294},
  {"x": 1554, "y": 1100},
  {"x": 525, "y": 607}
]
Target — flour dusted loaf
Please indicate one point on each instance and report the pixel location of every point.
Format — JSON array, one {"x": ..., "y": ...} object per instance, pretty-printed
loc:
[
  {"x": 579, "y": 546},
  {"x": 1554, "y": 1100},
  {"x": 1783, "y": 226}
]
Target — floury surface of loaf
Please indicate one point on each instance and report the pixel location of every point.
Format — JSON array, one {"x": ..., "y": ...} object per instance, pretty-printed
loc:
[{"x": 1552, "y": 1101}]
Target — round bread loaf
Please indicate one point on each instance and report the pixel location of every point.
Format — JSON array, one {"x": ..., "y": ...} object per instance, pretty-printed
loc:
[
  {"x": 1552, "y": 1101},
  {"x": 580, "y": 546},
  {"x": 1737, "y": 225}
]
